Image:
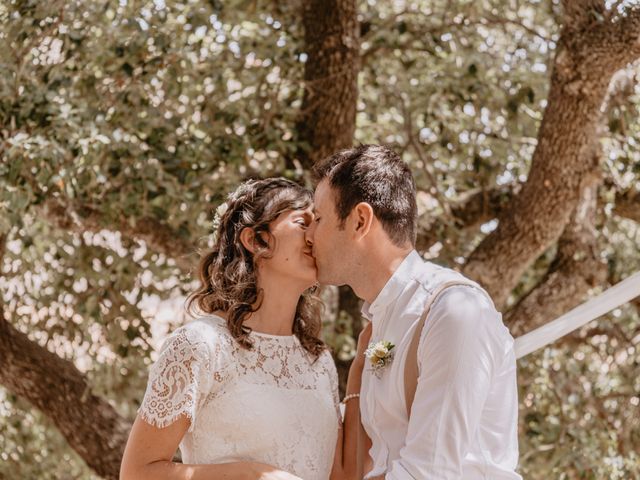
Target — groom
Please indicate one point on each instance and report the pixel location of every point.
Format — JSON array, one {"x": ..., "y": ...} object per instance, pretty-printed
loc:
[{"x": 441, "y": 402}]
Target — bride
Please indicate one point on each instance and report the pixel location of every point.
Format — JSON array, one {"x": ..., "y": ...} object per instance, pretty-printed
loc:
[{"x": 248, "y": 390}]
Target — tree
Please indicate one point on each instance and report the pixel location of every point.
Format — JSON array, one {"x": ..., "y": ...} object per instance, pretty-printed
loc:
[
  {"x": 122, "y": 128},
  {"x": 327, "y": 120}
]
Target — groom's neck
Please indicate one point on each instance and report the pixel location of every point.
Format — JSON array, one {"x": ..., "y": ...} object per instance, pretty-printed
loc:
[{"x": 375, "y": 269}]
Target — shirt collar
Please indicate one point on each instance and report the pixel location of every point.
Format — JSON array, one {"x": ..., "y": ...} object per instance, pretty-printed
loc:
[{"x": 395, "y": 285}]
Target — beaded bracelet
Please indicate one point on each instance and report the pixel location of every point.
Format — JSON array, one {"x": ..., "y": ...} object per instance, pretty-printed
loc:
[{"x": 349, "y": 397}]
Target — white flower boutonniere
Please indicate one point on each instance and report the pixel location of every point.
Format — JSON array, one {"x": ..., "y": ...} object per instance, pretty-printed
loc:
[{"x": 380, "y": 355}]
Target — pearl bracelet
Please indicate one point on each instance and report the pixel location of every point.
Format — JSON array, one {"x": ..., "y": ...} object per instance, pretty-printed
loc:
[{"x": 349, "y": 397}]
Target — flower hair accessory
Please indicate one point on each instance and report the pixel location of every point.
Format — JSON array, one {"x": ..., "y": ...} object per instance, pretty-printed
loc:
[
  {"x": 217, "y": 218},
  {"x": 380, "y": 355}
]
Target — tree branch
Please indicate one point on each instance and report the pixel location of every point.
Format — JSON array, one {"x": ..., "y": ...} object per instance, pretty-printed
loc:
[
  {"x": 589, "y": 53},
  {"x": 477, "y": 208},
  {"x": 577, "y": 266},
  {"x": 628, "y": 205},
  {"x": 159, "y": 236},
  {"x": 625, "y": 41},
  {"x": 91, "y": 426},
  {"x": 579, "y": 14},
  {"x": 57, "y": 388},
  {"x": 576, "y": 269}
]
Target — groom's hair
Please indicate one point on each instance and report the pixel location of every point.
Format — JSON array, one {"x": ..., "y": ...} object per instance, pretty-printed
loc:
[{"x": 376, "y": 175}]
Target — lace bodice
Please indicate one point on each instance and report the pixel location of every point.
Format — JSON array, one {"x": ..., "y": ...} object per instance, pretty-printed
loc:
[{"x": 273, "y": 404}]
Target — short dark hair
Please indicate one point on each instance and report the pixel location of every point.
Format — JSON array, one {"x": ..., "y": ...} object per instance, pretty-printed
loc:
[{"x": 374, "y": 174}]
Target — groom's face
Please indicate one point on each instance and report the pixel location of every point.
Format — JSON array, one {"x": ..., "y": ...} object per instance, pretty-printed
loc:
[{"x": 328, "y": 238}]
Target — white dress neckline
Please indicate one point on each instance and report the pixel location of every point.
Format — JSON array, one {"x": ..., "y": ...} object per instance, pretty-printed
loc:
[{"x": 220, "y": 320}]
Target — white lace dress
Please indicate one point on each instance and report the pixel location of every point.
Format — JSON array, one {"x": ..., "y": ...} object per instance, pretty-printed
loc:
[{"x": 273, "y": 404}]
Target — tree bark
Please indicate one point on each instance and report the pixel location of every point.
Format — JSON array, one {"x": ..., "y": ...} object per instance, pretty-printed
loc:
[
  {"x": 478, "y": 208},
  {"x": 91, "y": 426},
  {"x": 351, "y": 306},
  {"x": 576, "y": 269},
  {"x": 577, "y": 266},
  {"x": 589, "y": 53},
  {"x": 327, "y": 119},
  {"x": 328, "y": 116},
  {"x": 628, "y": 205}
]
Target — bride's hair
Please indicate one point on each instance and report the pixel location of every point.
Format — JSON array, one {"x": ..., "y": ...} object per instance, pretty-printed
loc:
[{"x": 228, "y": 272}]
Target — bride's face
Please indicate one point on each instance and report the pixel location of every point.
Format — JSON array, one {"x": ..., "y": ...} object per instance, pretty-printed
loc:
[{"x": 290, "y": 256}]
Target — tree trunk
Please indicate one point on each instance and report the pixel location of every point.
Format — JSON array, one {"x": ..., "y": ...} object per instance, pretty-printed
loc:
[
  {"x": 350, "y": 305},
  {"x": 55, "y": 386},
  {"x": 327, "y": 120},
  {"x": 328, "y": 116}
]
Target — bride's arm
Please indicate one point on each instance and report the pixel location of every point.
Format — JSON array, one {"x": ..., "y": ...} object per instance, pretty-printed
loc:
[
  {"x": 149, "y": 453},
  {"x": 352, "y": 446}
]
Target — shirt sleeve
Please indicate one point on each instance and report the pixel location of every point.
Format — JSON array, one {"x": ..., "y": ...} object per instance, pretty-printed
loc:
[
  {"x": 180, "y": 379},
  {"x": 458, "y": 349}
]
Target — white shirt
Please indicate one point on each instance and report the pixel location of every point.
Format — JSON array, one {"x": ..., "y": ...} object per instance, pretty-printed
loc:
[
  {"x": 465, "y": 411},
  {"x": 273, "y": 404}
]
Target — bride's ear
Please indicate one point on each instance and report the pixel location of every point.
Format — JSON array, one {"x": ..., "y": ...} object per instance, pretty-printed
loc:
[{"x": 248, "y": 239}]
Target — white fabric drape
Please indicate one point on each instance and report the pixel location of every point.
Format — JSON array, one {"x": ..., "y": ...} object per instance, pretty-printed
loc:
[{"x": 615, "y": 296}]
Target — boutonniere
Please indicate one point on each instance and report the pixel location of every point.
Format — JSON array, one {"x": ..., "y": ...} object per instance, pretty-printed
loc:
[{"x": 380, "y": 355}]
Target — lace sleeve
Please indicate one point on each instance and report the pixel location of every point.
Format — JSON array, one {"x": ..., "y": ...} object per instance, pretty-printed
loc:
[{"x": 179, "y": 380}]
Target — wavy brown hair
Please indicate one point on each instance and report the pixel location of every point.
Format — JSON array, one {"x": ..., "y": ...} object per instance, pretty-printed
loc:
[{"x": 228, "y": 273}]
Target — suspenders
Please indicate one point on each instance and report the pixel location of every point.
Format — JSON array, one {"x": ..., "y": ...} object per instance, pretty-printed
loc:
[{"x": 411, "y": 360}]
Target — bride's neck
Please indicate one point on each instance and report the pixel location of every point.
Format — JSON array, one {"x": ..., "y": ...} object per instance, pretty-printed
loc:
[{"x": 277, "y": 308}]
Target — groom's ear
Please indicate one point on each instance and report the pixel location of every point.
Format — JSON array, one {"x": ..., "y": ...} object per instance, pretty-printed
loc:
[{"x": 362, "y": 219}]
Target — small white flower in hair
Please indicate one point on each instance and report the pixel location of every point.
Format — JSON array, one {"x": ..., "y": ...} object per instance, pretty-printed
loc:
[{"x": 217, "y": 217}]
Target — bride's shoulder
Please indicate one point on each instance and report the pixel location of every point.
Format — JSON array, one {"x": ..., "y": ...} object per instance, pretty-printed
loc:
[
  {"x": 210, "y": 324},
  {"x": 210, "y": 331}
]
